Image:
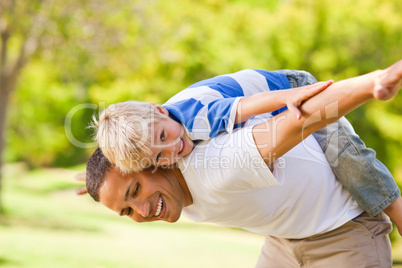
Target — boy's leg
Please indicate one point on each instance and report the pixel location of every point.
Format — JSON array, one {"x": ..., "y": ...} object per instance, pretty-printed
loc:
[
  {"x": 357, "y": 168},
  {"x": 354, "y": 165}
]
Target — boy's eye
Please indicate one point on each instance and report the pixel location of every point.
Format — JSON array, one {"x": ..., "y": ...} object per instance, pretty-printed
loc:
[
  {"x": 158, "y": 157},
  {"x": 163, "y": 136}
]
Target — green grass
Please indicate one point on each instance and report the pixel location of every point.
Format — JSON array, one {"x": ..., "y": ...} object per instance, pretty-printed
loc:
[{"x": 47, "y": 225}]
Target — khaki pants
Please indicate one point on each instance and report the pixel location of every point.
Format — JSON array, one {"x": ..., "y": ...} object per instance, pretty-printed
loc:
[{"x": 361, "y": 242}]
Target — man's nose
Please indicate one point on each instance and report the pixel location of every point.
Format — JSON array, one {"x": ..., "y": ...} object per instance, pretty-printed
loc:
[{"x": 142, "y": 207}]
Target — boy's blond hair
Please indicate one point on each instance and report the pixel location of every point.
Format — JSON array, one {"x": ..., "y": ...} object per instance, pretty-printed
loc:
[{"x": 123, "y": 133}]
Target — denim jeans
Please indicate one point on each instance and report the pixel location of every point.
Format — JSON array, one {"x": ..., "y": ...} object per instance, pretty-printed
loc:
[{"x": 355, "y": 166}]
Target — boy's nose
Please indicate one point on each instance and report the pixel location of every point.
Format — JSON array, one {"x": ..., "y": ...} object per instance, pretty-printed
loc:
[{"x": 170, "y": 149}]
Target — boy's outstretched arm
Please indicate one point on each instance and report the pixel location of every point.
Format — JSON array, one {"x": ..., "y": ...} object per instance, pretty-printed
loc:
[{"x": 270, "y": 101}]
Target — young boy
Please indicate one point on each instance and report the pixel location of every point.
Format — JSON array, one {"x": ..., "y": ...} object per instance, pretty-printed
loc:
[{"x": 133, "y": 135}]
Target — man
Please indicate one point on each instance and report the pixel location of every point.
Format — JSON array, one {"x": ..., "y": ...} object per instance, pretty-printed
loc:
[{"x": 309, "y": 219}]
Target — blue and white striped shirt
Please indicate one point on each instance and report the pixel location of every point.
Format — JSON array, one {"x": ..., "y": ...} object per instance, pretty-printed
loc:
[{"x": 208, "y": 107}]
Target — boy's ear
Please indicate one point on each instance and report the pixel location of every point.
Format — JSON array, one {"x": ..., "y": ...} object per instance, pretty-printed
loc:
[{"x": 161, "y": 109}]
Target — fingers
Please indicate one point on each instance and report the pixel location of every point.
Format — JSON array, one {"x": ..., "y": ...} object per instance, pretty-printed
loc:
[
  {"x": 293, "y": 109},
  {"x": 308, "y": 92},
  {"x": 318, "y": 87},
  {"x": 323, "y": 85},
  {"x": 81, "y": 191},
  {"x": 388, "y": 82},
  {"x": 80, "y": 176},
  {"x": 380, "y": 94}
]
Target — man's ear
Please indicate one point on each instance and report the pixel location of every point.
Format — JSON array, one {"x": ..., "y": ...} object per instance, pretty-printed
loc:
[{"x": 161, "y": 109}]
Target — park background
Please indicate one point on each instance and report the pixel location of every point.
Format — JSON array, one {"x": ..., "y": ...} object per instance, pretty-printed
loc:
[{"x": 62, "y": 60}]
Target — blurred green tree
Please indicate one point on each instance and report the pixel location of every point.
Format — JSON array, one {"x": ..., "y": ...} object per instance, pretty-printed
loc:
[
  {"x": 67, "y": 44},
  {"x": 18, "y": 23},
  {"x": 102, "y": 52}
]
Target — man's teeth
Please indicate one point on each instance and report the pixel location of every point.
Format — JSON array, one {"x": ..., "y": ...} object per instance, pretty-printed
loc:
[
  {"x": 159, "y": 209},
  {"x": 181, "y": 146}
]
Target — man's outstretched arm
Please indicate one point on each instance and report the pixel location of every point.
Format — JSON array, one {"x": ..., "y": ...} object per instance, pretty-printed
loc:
[
  {"x": 280, "y": 134},
  {"x": 387, "y": 84}
]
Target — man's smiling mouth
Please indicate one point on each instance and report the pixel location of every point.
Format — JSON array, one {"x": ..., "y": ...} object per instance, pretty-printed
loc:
[{"x": 160, "y": 206}]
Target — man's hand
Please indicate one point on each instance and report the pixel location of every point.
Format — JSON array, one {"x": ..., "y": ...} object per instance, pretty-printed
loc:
[
  {"x": 388, "y": 82},
  {"x": 82, "y": 190},
  {"x": 300, "y": 94}
]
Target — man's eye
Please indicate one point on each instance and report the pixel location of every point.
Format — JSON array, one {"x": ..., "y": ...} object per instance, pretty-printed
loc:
[
  {"x": 163, "y": 136},
  {"x": 158, "y": 157},
  {"x": 129, "y": 212},
  {"x": 136, "y": 190}
]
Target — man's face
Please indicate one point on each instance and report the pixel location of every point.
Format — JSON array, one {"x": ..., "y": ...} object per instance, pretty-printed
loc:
[
  {"x": 169, "y": 141},
  {"x": 145, "y": 196}
]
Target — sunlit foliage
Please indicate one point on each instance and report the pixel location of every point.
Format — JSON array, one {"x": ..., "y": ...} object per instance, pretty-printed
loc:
[{"x": 99, "y": 52}]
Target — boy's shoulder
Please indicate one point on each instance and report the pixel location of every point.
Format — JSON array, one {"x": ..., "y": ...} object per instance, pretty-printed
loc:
[{"x": 242, "y": 83}]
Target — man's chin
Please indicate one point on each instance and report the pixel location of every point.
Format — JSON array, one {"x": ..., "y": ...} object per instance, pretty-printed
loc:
[{"x": 175, "y": 219}]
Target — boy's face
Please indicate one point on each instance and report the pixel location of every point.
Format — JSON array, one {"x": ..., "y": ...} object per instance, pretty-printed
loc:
[
  {"x": 169, "y": 141},
  {"x": 145, "y": 196}
]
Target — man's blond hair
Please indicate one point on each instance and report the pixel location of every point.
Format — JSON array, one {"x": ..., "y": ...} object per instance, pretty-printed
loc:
[{"x": 123, "y": 132}]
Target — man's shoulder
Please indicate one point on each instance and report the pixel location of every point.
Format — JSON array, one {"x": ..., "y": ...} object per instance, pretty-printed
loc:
[{"x": 228, "y": 162}]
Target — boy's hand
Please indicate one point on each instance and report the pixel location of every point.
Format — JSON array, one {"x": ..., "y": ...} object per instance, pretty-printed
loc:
[
  {"x": 270, "y": 101},
  {"x": 300, "y": 94},
  {"x": 388, "y": 82},
  {"x": 82, "y": 190}
]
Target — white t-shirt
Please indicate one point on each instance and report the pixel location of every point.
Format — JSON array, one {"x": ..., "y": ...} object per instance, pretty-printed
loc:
[{"x": 232, "y": 186}]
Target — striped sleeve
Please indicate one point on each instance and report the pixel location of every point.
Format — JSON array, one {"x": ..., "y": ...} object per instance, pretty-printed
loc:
[{"x": 209, "y": 106}]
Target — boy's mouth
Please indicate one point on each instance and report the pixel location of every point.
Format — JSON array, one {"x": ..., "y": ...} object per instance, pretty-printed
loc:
[{"x": 181, "y": 146}]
